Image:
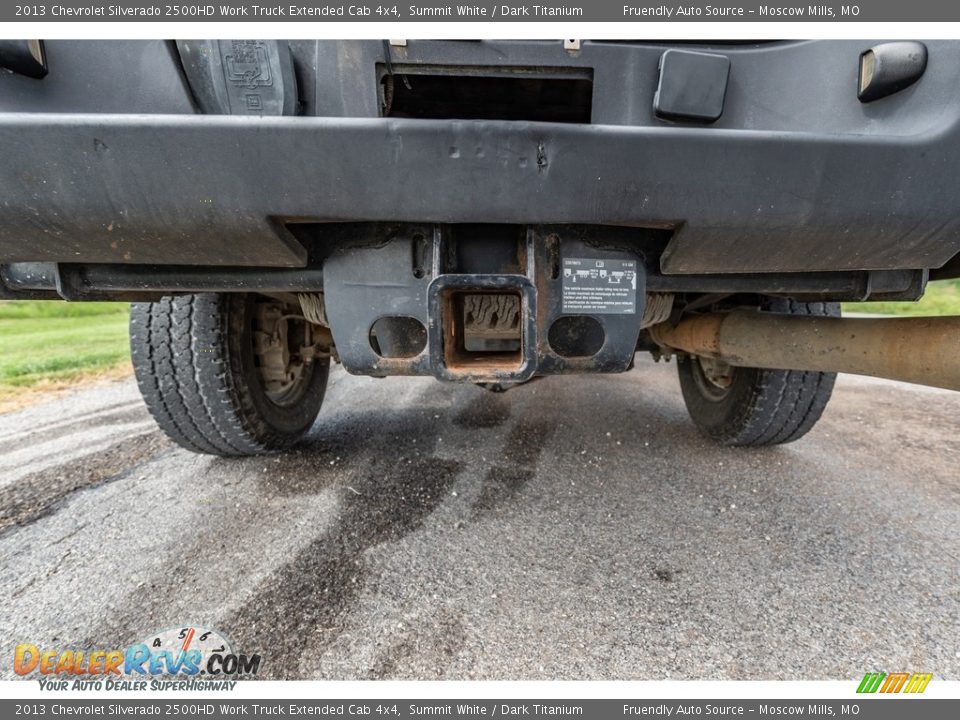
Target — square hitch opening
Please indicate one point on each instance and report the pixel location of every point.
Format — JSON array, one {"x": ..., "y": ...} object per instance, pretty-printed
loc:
[
  {"x": 482, "y": 329},
  {"x": 486, "y": 327}
]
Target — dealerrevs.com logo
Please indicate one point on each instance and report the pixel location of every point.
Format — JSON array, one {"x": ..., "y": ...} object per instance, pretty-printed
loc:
[
  {"x": 900, "y": 682},
  {"x": 180, "y": 658}
]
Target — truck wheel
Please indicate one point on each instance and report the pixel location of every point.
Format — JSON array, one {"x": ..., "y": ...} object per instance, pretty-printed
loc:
[
  {"x": 753, "y": 406},
  {"x": 223, "y": 374}
]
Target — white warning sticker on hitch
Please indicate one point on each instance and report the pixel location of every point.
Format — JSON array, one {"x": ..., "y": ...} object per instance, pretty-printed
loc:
[{"x": 607, "y": 287}]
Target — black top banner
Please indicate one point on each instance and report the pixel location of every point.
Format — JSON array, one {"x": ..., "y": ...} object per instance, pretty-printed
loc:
[{"x": 388, "y": 11}]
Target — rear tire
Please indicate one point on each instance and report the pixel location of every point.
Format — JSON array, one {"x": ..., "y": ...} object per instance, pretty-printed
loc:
[
  {"x": 195, "y": 363},
  {"x": 753, "y": 406}
]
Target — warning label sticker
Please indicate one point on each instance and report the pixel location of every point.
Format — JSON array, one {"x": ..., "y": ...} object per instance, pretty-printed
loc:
[{"x": 599, "y": 286}]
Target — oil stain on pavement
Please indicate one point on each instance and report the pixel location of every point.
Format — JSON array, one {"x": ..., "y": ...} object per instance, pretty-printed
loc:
[{"x": 574, "y": 528}]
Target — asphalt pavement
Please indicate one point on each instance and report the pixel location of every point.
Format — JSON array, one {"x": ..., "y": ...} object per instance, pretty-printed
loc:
[{"x": 572, "y": 528}]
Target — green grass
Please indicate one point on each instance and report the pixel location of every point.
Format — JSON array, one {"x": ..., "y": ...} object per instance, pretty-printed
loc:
[
  {"x": 942, "y": 298},
  {"x": 42, "y": 341}
]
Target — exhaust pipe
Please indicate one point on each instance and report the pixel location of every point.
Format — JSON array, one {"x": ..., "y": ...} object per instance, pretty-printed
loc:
[{"x": 922, "y": 350}]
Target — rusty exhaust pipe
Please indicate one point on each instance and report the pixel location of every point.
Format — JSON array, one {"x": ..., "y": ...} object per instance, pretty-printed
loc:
[{"x": 922, "y": 350}]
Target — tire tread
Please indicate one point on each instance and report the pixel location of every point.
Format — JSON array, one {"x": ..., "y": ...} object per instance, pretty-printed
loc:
[
  {"x": 769, "y": 407},
  {"x": 186, "y": 360}
]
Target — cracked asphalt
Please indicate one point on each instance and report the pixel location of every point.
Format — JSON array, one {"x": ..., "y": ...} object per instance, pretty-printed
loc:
[{"x": 572, "y": 528}]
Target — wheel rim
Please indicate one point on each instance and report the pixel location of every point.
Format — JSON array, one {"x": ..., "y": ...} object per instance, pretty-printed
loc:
[
  {"x": 279, "y": 335},
  {"x": 290, "y": 392},
  {"x": 713, "y": 379}
]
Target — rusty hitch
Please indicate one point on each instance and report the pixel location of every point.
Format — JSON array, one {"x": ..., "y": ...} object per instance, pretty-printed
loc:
[{"x": 922, "y": 350}]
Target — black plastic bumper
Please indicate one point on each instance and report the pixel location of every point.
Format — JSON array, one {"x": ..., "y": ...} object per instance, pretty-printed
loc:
[{"x": 218, "y": 190}]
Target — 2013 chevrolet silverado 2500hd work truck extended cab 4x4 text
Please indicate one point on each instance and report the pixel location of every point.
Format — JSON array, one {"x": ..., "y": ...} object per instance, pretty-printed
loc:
[{"x": 486, "y": 212}]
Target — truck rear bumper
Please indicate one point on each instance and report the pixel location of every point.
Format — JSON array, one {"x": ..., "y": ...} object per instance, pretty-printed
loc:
[{"x": 224, "y": 190}]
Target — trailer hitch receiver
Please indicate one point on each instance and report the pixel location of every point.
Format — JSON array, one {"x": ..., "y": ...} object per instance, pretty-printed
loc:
[{"x": 497, "y": 304}]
